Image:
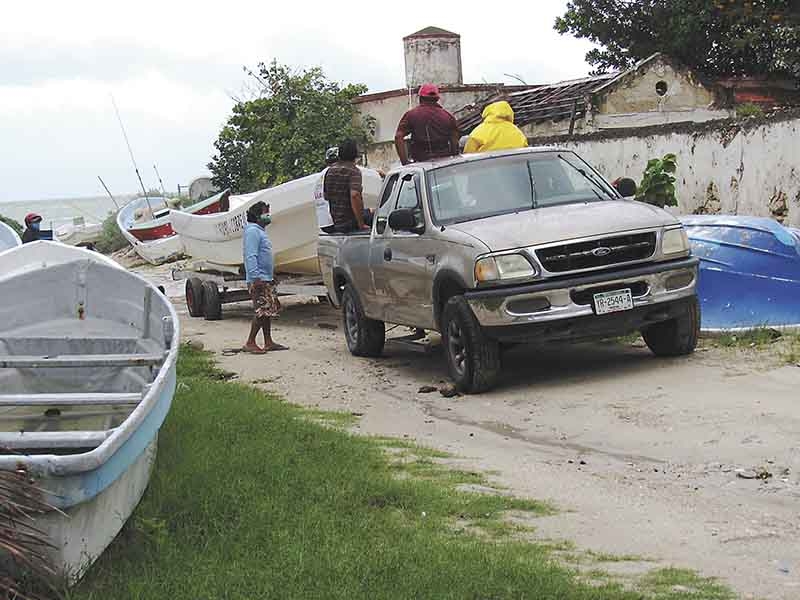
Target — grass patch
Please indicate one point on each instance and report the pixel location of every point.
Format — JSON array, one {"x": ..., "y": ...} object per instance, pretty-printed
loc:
[
  {"x": 753, "y": 338},
  {"x": 675, "y": 584},
  {"x": 791, "y": 353},
  {"x": 250, "y": 499}
]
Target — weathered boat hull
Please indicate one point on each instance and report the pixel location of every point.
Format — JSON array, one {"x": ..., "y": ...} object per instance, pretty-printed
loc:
[
  {"x": 88, "y": 358},
  {"x": 749, "y": 272},
  {"x": 74, "y": 234},
  {"x": 155, "y": 241},
  {"x": 217, "y": 239}
]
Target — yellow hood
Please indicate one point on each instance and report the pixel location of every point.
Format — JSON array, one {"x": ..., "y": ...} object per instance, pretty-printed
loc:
[{"x": 497, "y": 112}]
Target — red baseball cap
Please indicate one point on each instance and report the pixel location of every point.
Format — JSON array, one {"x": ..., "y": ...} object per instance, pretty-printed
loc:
[
  {"x": 31, "y": 217},
  {"x": 429, "y": 90}
]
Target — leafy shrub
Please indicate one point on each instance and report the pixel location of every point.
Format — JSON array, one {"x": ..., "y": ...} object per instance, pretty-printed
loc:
[
  {"x": 748, "y": 109},
  {"x": 658, "y": 183},
  {"x": 12, "y": 223},
  {"x": 111, "y": 238}
]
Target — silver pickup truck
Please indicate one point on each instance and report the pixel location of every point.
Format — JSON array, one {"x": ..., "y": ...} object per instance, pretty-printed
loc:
[{"x": 524, "y": 246}]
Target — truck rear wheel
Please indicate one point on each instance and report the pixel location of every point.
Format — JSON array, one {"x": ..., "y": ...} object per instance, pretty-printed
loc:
[
  {"x": 364, "y": 336},
  {"x": 472, "y": 359},
  {"x": 677, "y": 336}
]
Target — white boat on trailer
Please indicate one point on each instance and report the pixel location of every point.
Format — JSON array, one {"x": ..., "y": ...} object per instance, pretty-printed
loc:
[
  {"x": 88, "y": 356},
  {"x": 8, "y": 237},
  {"x": 216, "y": 239}
]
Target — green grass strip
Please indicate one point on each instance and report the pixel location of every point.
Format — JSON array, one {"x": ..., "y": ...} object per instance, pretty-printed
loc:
[{"x": 252, "y": 499}]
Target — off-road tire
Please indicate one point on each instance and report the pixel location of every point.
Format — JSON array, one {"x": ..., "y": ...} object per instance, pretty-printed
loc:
[
  {"x": 473, "y": 359},
  {"x": 364, "y": 336},
  {"x": 194, "y": 297},
  {"x": 677, "y": 336},
  {"x": 212, "y": 303}
]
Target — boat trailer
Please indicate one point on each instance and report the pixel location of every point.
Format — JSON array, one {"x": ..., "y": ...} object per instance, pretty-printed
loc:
[{"x": 208, "y": 287}]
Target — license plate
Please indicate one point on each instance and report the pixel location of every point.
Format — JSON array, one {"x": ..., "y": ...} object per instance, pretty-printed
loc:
[{"x": 611, "y": 302}]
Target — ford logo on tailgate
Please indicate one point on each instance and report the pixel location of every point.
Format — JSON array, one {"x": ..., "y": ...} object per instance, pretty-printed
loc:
[{"x": 601, "y": 251}]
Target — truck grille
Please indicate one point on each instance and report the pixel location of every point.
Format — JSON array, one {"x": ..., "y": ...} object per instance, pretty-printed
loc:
[{"x": 598, "y": 253}]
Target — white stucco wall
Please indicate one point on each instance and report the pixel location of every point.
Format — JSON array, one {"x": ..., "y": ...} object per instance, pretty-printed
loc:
[{"x": 728, "y": 167}]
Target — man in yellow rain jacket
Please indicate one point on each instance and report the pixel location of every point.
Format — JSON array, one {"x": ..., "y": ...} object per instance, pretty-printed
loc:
[{"x": 497, "y": 132}]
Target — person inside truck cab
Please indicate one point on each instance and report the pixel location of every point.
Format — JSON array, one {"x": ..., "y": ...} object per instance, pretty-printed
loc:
[
  {"x": 342, "y": 189},
  {"x": 434, "y": 131}
]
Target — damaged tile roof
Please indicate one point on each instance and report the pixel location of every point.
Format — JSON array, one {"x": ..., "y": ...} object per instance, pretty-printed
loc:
[{"x": 545, "y": 102}]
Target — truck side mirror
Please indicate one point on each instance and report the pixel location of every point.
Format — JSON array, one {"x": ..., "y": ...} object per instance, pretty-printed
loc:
[{"x": 407, "y": 219}]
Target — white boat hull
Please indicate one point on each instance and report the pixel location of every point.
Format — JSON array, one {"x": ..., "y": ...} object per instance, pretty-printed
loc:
[
  {"x": 88, "y": 358},
  {"x": 8, "y": 237},
  {"x": 73, "y": 235},
  {"x": 217, "y": 239}
]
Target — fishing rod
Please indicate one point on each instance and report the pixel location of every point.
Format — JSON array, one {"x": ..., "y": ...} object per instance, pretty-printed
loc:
[
  {"x": 161, "y": 183},
  {"x": 133, "y": 160},
  {"x": 108, "y": 192}
]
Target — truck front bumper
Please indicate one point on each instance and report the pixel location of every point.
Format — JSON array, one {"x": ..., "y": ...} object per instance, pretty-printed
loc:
[{"x": 558, "y": 305}]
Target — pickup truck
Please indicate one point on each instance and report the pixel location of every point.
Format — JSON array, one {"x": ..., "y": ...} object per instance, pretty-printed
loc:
[{"x": 523, "y": 246}]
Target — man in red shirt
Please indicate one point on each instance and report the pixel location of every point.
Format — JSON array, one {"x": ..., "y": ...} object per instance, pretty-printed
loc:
[{"x": 434, "y": 131}]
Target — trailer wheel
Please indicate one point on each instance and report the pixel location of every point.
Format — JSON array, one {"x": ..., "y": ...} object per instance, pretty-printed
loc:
[
  {"x": 194, "y": 297},
  {"x": 212, "y": 303}
]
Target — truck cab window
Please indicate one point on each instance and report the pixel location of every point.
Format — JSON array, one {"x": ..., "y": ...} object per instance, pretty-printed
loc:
[
  {"x": 387, "y": 191},
  {"x": 407, "y": 198}
]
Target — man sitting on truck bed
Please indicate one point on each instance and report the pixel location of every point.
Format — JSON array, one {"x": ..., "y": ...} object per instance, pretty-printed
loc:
[
  {"x": 342, "y": 190},
  {"x": 434, "y": 131}
]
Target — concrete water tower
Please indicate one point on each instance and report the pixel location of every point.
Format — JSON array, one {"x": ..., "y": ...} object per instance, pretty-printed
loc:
[{"x": 433, "y": 55}]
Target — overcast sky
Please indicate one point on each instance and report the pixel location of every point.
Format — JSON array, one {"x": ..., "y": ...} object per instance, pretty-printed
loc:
[{"x": 173, "y": 67}]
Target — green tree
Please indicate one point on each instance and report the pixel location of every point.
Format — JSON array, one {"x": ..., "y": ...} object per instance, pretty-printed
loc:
[
  {"x": 283, "y": 134},
  {"x": 715, "y": 37},
  {"x": 12, "y": 223}
]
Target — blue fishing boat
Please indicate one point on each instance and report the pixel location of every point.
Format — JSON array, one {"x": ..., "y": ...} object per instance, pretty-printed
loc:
[{"x": 749, "y": 271}]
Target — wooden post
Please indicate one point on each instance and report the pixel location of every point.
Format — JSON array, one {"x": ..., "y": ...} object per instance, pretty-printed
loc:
[{"x": 572, "y": 116}]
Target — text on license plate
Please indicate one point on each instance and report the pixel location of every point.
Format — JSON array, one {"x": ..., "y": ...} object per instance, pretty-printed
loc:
[{"x": 609, "y": 302}]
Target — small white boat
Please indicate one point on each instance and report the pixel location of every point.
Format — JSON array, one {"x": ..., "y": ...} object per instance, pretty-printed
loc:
[
  {"x": 8, "y": 237},
  {"x": 77, "y": 232},
  {"x": 217, "y": 239},
  {"x": 87, "y": 374},
  {"x": 151, "y": 235}
]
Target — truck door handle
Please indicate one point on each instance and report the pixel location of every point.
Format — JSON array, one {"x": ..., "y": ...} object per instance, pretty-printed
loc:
[{"x": 387, "y": 254}]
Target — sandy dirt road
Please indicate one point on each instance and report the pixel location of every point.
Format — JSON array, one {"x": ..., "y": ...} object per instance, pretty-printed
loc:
[{"x": 643, "y": 456}]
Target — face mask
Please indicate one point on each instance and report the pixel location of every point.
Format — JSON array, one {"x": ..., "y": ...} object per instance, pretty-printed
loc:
[
  {"x": 35, "y": 226},
  {"x": 264, "y": 219}
]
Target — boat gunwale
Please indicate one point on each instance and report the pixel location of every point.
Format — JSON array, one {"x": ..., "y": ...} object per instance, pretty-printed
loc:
[{"x": 61, "y": 465}]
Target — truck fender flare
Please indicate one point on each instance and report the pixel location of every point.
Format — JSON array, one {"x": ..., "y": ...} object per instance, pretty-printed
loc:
[{"x": 443, "y": 284}]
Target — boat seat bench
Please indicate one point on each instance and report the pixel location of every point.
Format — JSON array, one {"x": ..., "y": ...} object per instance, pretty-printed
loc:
[
  {"x": 87, "y": 399},
  {"x": 82, "y": 360}
]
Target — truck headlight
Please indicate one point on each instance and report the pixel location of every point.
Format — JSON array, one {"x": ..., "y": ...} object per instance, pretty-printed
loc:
[
  {"x": 674, "y": 241},
  {"x": 503, "y": 266}
]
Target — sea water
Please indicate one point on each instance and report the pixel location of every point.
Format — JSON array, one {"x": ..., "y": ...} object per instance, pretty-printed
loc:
[{"x": 55, "y": 212}]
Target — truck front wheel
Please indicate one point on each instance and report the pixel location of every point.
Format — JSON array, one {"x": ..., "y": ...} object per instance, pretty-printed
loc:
[
  {"x": 677, "y": 336},
  {"x": 472, "y": 359},
  {"x": 364, "y": 336}
]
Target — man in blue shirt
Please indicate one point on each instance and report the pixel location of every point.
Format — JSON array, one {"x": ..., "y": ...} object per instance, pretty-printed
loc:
[{"x": 259, "y": 276}]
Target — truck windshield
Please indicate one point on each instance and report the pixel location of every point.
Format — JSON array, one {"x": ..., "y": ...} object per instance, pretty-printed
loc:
[{"x": 496, "y": 186}]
